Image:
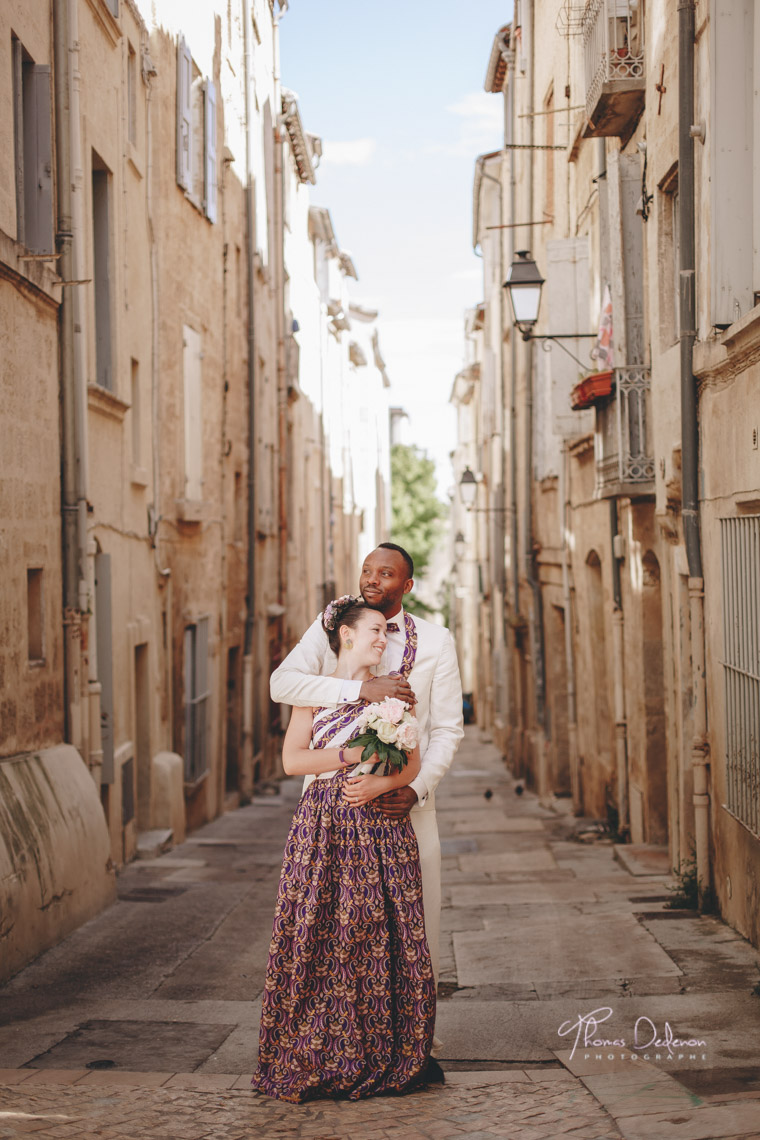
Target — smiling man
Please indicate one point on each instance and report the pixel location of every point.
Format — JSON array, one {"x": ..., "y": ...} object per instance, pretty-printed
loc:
[{"x": 419, "y": 667}]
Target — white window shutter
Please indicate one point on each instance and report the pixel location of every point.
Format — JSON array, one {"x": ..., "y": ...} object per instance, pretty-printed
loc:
[
  {"x": 184, "y": 115},
  {"x": 209, "y": 182}
]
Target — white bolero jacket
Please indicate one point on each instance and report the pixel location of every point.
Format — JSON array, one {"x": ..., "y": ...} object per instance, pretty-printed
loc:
[{"x": 301, "y": 680}]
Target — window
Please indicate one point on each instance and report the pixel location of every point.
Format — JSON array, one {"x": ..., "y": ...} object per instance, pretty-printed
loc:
[
  {"x": 193, "y": 399},
  {"x": 135, "y": 412},
  {"x": 741, "y": 666},
  {"x": 669, "y": 259},
  {"x": 34, "y": 615},
  {"x": 209, "y": 139},
  {"x": 196, "y": 134},
  {"x": 549, "y": 154},
  {"x": 196, "y": 700},
  {"x": 32, "y": 151},
  {"x": 132, "y": 94},
  {"x": 112, "y": 6},
  {"x": 184, "y": 115},
  {"x": 101, "y": 275}
]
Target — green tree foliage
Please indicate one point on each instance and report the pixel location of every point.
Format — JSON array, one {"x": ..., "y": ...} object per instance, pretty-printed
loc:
[{"x": 415, "y": 509}]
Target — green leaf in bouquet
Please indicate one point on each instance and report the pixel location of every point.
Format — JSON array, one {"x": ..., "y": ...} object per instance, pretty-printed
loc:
[{"x": 369, "y": 750}]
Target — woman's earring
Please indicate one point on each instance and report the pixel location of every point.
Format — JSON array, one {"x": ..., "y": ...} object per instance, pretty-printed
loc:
[{"x": 349, "y": 643}]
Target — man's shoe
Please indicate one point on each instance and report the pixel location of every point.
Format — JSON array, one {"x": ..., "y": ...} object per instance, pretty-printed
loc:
[{"x": 433, "y": 1073}]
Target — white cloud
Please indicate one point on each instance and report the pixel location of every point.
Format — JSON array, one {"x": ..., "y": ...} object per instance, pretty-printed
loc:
[
  {"x": 352, "y": 152},
  {"x": 480, "y": 128},
  {"x": 481, "y": 111}
]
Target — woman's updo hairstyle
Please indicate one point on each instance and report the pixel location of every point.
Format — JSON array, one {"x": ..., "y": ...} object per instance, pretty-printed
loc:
[{"x": 341, "y": 611}]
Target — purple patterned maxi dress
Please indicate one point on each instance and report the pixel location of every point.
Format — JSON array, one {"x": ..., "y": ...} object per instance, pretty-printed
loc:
[{"x": 349, "y": 998}]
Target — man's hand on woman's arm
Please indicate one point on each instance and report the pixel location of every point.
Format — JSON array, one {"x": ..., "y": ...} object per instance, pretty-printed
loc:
[{"x": 378, "y": 688}]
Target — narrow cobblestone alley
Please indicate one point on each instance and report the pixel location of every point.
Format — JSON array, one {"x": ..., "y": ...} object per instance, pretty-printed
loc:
[{"x": 143, "y": 1024}]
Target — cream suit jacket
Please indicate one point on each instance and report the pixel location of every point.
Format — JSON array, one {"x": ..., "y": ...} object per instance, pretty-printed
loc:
[{"x": 301, "y": 680}]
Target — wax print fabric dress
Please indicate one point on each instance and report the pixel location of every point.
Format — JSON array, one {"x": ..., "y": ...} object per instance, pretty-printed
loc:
[{"x": 349, "y": 998}]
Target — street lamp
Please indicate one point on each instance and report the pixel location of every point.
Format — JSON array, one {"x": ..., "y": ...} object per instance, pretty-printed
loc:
[
  {"x": 523, "y": 284},
  {"x": 460, "y": 545},
  {"x": 468, "y": 489}
]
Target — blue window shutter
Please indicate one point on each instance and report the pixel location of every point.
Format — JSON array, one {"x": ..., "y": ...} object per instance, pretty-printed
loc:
[
  {"x": 209, "y": 131},
  {"x": 184, "y": 115}
]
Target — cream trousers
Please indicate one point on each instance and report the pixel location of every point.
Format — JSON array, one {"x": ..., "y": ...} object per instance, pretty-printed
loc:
[{"x": 425, "y": 827}]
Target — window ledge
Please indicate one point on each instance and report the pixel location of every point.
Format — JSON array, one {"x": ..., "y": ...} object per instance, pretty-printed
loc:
[
  {"x": 108, "y": 23},
  {"x": 191, "y": 510},
  {"x": 744, "y": 335},
  {"x": 105, "y": 402},
  {"x": 135, "y": 160},
  {"x": 748, "y": 502}
]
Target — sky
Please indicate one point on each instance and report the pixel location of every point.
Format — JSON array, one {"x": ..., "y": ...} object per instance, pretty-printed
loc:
[{"x": 395, "y": 90}]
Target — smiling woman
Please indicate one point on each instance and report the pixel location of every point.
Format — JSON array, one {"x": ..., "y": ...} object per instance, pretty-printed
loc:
[{"x": 349, "y": 998}]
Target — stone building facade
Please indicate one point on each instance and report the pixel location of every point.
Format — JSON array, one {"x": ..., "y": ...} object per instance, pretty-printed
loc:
[
  {"x": 617, "y": 490},
  {"x": 188, "y": 389}
]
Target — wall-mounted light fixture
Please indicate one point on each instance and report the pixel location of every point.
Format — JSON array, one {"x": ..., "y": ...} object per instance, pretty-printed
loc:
[{"x": 524, "y": 283}]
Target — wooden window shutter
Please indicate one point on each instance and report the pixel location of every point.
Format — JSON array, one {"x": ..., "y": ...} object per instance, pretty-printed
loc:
[
  {"x": 184, "y": 115},
  {"x": 209, "y": 132}
]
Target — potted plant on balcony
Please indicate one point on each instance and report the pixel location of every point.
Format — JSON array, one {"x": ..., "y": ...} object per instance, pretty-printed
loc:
[{"x": 591, "y": 389}]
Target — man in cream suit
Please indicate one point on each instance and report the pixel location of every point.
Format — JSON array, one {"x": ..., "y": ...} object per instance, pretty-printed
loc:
[{"x": 424, "y": 656}]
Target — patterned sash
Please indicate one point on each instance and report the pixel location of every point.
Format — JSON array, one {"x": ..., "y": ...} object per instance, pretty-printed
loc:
[{"x": 330, "y": 722}]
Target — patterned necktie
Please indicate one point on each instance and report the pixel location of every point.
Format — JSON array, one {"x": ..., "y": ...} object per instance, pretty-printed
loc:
[{"x": 392, "y": 627}]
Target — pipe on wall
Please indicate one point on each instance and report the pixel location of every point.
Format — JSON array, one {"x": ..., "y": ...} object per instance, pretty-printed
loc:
[
  {"x": 73, "y": 400},
  {"x": 690, "y": 440},
  {"x": 572, "y": 709},
  {"x": 536, "y": 624},
  {"x": 246, "y": 770},
  {"x": 618, "y": 673}
]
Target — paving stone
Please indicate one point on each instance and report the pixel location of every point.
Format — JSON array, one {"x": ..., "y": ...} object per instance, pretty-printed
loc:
[
  {"x": 578, "y": 950},
  {"x": 523, "y": 862}
]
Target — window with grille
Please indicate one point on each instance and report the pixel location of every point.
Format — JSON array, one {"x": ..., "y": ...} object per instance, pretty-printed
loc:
[
  {"x": 197, "y": 694},
  {"x": 741, "y": 666}
]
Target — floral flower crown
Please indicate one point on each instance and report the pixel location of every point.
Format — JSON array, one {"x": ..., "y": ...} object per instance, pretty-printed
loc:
[{"x": 335, "y": 609}]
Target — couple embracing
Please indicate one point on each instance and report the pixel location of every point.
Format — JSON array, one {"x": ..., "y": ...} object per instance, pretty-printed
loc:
[{"x": 350, "y": 991}]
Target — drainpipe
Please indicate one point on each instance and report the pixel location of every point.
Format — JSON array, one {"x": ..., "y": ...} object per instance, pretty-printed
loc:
[
  {"x": 282, "y": 377},
  {"x": 246, "y": 767},
  {"x": 498, "y": 621},
  {"x": 690, "y": 439},
  {"x": 537, "y": 627},
  {"x": 514, "y": 540},
  {"x": 74, "y": 440},
  {"x": 618, "y": 667},
  {"x": 572, "y": 709}
]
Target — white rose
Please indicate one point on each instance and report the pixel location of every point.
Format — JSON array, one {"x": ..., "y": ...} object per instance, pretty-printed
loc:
[{"x": 386, "y": 732}]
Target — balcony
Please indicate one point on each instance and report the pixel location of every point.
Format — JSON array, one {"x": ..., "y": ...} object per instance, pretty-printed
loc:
[
  {"x": 613, "y": 48},
  {"x": 622, "y": 442}
]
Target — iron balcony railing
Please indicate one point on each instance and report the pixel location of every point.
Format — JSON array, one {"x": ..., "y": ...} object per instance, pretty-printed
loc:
[
  {"x": 613, "y": 46},
  {"x": 624, "y": 459},
  {"x": 740, "y": 541}
]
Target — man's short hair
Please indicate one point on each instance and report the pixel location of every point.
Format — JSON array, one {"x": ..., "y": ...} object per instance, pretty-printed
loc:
[{"x": 400, "y": 550}]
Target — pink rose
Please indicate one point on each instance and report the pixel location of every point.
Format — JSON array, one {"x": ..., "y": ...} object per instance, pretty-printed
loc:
[
  {"x": 391, "y": 709},
  {"x": 407, "y": 736}
]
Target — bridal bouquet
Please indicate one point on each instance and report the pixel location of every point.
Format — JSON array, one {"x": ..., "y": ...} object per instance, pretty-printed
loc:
[{"x": 389, "y": 731}]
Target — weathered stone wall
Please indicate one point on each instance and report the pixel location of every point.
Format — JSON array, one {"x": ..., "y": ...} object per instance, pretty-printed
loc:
[{"x": 55, "y": 864}]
